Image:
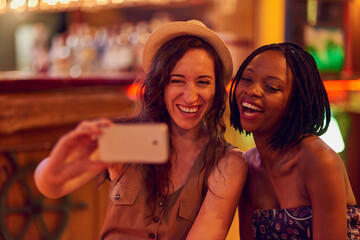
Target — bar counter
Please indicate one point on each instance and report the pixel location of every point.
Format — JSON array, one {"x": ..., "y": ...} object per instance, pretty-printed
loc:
[
  {"x": 35, "y": 111},
  {"x": 28, "y": 101},
  {"x": 22, "y": 81}
]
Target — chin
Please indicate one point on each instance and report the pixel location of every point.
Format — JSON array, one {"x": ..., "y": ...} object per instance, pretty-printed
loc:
[
  {"x": 248, "y": 128},
  {"x": 188, "y": 126}
]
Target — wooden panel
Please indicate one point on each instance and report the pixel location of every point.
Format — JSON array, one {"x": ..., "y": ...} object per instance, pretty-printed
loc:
[
  {"x": 30, "y": 125},
  {"x": 42, "y": 109}
]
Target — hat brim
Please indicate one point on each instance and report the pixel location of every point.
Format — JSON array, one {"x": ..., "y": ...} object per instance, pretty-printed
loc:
[{"x": 193, "y": 28}]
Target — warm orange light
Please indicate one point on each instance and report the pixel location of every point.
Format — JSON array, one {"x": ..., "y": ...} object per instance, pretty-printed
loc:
[
  {"x": 342, "y": 85},
  {"x": 355, "y": 85},
  {"x": 338, "y": 90},
  {"x": 336, "y": 86},
  {"x": 61, "y": 5},
  {"x": 228, "y": 87},
  {"x": 333, "y": 87},
  {"x": 2, "y": 5},
  {"x": 132, "y": 91},
  {"x": 270, "y": 27}
]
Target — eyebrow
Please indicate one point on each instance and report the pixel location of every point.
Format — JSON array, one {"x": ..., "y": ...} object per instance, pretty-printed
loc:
[
  {"x": 177, "y": 75},
  {"x": 268, "y": 76},
  {"x": 205, "y": 76},
  {"x": 182, "y": 76}
]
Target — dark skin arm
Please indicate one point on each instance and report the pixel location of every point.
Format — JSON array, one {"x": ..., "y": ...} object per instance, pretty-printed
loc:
[{"x": 324, "y": 180}]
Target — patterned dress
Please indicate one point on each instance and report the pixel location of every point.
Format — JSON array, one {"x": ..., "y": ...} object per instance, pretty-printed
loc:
[{"x": 296, "y": 223}]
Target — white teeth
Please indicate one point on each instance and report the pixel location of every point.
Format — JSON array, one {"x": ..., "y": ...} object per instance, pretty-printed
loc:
[
  {"x": 251, "y": 106},
  {"x": 249, "y": 114},
  {"x": 189, "y": 109}
]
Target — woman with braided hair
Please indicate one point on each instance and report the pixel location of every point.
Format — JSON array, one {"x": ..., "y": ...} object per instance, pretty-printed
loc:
[{"x": 297, "y": 186}]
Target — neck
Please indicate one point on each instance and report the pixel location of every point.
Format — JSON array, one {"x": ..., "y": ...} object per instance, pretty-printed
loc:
[
  {"x": 269, "y": 158},
  {"x": 186, "y": 136},
  {"x": 272, "y": 159},
  {"x": 186, "y": 141}
]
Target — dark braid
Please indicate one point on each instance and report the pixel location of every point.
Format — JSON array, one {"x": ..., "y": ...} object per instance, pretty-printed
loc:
[{"x": 309, "y": 110}]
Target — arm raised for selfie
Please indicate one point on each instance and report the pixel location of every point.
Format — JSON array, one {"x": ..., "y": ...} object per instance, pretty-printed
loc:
[
  {"x": 225, "y": 187},
  {"x": 72, "y": 162}
]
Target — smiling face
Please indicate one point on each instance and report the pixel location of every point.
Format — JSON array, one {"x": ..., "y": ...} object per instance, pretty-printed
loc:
[
  {"x": 191, "y": 89},
  {"x": 263, "y": 93}
]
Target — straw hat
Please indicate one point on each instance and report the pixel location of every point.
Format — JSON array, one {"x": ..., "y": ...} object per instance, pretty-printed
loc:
[{"x": 193, "y": 28}]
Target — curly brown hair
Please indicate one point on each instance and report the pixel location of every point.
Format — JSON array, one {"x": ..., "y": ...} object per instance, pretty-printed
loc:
[{"x": 153, "y": 109}]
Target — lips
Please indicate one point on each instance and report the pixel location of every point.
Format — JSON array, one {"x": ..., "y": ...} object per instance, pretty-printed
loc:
[{"x": 251, "y": 110}]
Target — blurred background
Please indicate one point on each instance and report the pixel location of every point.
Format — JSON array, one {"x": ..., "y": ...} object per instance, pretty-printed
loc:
[{"x": 62, "y": 61}]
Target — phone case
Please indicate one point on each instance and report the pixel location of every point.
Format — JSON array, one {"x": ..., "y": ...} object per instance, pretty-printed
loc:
[{"x": 135, "y": 143}]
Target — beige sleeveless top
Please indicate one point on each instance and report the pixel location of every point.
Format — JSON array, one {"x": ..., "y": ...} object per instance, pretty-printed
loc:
[{"x": 127, "y": 216}]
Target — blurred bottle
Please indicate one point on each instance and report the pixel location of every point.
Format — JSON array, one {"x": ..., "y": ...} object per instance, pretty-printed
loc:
[
  {"x": 59, "y": 55},
  {"x": 40, "y": 50},
  {"x": 84, "y": 49}
]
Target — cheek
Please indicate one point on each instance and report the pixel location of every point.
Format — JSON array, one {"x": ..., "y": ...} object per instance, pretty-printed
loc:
[
  {"x": 209, "y": 96},
  {"x": 167, "y": 100},
  {"x": 278, "y": 106},
  {"x": 238, "y": 91},
  {"x": 284, "y": 102}
]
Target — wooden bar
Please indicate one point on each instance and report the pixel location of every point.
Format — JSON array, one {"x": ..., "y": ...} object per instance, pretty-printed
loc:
[{"x": 34, "y": 112}]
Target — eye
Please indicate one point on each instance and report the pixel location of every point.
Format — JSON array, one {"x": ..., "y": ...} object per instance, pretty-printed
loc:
[
  {"x": 176, "y": 81},
  {"x": 246, "y": 80},
  {"x": 204, "y": 82},
  {"x": 271, "y": 88}
]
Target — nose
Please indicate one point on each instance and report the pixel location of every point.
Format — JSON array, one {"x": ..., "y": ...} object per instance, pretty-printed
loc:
[
  {"x": 191, "y": 94},
  {"x": 254, "y": 90}
]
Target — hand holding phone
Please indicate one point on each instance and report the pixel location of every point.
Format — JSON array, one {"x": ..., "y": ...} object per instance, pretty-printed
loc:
[{"x": 135, "y": 143}]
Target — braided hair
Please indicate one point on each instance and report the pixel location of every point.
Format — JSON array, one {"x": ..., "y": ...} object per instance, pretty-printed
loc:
[{"x": 309, "y": 110}]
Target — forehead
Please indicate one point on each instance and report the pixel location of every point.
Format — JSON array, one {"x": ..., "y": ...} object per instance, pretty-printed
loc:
[
  {"x": 270, "y": 59},
  {"x": 196, "y": 59},
  {"x": 271, "y": 62},
  {"x": 197, "y": 54}
]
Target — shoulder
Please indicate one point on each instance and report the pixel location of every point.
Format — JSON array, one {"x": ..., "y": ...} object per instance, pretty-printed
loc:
[
  {"x": 253, "y": 158},
  {"x": 324, "y": 176},
  {"x": 252, "y": 153},
  {"x": 228, "y": 177},
  {"x": 316, "y": 158},
  {"x": 314, "y": 152},
  {"x": 233, "y": 159},
  {"x": 232, "y": 165}
]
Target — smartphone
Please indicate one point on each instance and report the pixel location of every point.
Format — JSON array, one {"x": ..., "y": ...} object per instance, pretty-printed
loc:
[{"x": 135, "y": 143}]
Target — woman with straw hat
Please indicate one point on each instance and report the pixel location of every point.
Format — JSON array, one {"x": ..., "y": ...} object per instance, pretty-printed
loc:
[{"x": 194, "y": 195}]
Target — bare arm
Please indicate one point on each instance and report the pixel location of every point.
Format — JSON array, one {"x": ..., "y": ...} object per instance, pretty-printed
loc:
[
  {"x": 219, "y": 206},
  {"x": 70, "y": 164},
  {"x": 325, "y": 183}
]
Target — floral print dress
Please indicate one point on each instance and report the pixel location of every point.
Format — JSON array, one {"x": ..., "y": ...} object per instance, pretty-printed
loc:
[{"x": 296, "y": 223}]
